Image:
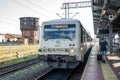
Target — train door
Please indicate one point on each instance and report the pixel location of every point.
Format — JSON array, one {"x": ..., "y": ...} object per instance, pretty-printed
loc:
[
  {"x": 82, "y": 44},
  {"x": 85, "y": 42}
]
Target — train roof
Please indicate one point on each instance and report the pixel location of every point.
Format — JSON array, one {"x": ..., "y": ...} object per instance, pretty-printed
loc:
[{"x": 62, "y": 20}]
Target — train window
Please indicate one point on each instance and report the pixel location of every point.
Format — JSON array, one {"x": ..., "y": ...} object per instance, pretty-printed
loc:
[
  {"x": 87, "y": 37},
  {"x": 81, "y": 35},
  {"x": 84, "y": 36},
  {"x": 59, "y": 32}
]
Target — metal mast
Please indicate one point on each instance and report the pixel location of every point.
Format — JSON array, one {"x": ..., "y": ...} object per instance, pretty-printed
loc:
[{"x": 71, "y": 5}]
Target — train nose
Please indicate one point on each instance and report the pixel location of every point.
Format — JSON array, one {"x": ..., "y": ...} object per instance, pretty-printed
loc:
[
  {"x": 71, "y": 59},
  {"x": 58, "y": 58},
  {"x": 58, "y": 41}
]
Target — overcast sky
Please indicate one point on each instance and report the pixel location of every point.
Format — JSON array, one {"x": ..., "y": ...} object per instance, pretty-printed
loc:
[{"x": 12, "y": 10}]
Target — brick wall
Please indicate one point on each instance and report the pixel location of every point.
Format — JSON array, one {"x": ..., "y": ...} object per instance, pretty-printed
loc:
[{"x": 31, "y": 35}]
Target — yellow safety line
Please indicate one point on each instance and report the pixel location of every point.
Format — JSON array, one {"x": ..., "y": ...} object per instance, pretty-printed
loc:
[{"x": 107, "y": 72}]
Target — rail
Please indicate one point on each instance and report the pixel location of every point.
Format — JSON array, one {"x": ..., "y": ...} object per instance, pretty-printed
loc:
[
  {"x": 56, "y": 74},
  {"x": 17, "y": 66}
]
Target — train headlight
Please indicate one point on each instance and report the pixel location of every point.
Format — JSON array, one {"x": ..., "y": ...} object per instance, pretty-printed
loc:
[{"x": 72, "y": 50}]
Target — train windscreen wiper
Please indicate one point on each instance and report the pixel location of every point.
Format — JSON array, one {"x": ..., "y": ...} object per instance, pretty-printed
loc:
[
  {"x": 47, "y": 39},
  {"x": 61, "y": 38},
  {"x": 69, "y": 38}
]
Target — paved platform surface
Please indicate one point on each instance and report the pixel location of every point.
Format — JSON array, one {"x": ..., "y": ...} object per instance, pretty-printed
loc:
[
  {"x": 96, "y": 70},
  {"x": 114, "y": 63},
  {"x": 92, "y": 70}
]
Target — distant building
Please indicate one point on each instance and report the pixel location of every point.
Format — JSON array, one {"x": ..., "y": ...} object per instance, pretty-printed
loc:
[
  {"x": 11, "y": 37},
  {"x": 2, "y": 37},
  {"x": 29, "y": 27}
]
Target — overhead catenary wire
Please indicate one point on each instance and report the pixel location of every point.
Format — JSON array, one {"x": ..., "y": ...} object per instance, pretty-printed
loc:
[
  {"x": 29, "y": 8},
  {"x": 40, "y": 7},
  {"x": 8, "y": 22},
  {"x": 7, "y": 18}
]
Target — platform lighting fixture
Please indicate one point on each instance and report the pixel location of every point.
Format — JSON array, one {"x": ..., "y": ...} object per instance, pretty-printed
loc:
[
  {"x": 111, "y": 17},
  {"x": 103, "y": 12},
  {"x": 104, "y": 7}
]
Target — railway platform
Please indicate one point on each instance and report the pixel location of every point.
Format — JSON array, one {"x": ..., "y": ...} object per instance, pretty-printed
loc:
[{"x": 97, "y": 70}]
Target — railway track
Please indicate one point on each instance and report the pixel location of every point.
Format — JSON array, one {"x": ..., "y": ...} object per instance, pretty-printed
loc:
[
  {"x": 35, "y": 75},
  {"x": 17, "y": 66},
  {"x": 44, "y": 73},
  {"x": 66, "y": 74},
  {"x": 56, "y": 74}
]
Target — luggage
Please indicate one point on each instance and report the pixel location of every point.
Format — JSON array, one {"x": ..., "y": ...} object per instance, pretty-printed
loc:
[{"x": 99, "y": 57}]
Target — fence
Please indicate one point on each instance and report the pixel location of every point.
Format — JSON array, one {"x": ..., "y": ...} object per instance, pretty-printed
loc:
[{"x": 11, "y": 52}]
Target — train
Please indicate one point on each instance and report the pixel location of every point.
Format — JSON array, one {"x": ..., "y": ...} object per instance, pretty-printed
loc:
[{"x": 63, "y": 43}]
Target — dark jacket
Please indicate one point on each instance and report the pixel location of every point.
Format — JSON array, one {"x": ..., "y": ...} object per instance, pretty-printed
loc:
[{"x": 103, "y": 45}]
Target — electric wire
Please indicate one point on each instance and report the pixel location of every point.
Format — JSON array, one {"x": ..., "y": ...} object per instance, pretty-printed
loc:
[
  {"x": 5, "y": 21},
  {"x": 40, "y": 7},
  {"x": 29, "y": 8},
  {"x": 7, "y": 18}
]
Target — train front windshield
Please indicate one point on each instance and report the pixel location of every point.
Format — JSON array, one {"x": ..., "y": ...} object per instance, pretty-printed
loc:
[{"x": 59, "y": 31}]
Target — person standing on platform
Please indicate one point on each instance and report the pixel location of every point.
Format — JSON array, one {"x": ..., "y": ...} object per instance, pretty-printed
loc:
[{"x": 103, "y": 49}]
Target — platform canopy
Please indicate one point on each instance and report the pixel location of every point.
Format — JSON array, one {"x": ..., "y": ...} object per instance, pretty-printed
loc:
[{"x": 105, "y": 13}]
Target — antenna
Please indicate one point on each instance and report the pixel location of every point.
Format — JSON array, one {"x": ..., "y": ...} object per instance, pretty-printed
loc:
[
  {"x": 75, "y": 15},
  {"x": 59, "y": 15}
]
